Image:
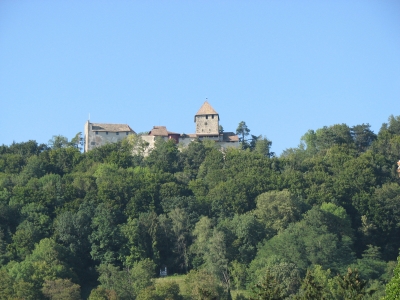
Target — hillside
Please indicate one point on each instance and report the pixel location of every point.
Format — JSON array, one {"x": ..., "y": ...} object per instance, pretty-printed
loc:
[{"x": 103, "y": 223}]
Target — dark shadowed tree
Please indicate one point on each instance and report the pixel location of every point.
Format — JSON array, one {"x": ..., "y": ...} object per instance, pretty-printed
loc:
[{"x": 243, "y": 131}]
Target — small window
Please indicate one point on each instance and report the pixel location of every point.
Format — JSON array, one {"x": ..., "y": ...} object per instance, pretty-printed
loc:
[
  {"x": 206, "y": 116},
  {"x": 97, "y": 132},
  {"x": 106, "y": 132},
  {"x": 127, "y": 133},
  {"x": 117, "y": 133},
  {"x": 213, "y": 116}
]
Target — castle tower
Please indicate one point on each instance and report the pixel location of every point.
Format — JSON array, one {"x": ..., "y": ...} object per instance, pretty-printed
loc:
[{"x": 207, "y": 121}]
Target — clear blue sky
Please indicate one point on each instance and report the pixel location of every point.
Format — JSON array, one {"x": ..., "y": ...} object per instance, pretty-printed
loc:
[{"x": 283, "y": 67}]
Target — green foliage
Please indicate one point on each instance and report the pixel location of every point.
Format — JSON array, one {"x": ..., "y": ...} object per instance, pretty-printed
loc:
[
  {"x": 393, "y": 287},
  {"x": 204, "y": 286},
  {"x": 61, "y": 289},
  {"x": 164, "y": 156},
  {"x": 243, "y": 131},
  {"x": 263, "y": 146},
  {"x": 267, "y": 288},
  {"x": 233, "y": 216},
  {"x": 126, "y": 283},
  {"x": 106, "y": 237},
  {"x": 310, "y": 288},
  {"x": 48, "y": 261},
  {"x": 277, "y": 209},
  {"x": 101, "y": 293},
  {"x": 351, "y": 286},
  {"x": 161, "y": 291},
  {"x": 313, "y": 240}
]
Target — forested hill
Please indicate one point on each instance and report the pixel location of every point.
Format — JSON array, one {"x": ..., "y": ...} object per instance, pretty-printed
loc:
[{"x": 306, "y": 224}]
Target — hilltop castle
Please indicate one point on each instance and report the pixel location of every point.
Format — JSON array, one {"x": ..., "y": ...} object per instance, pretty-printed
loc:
[{"x": 207, "y": 127}]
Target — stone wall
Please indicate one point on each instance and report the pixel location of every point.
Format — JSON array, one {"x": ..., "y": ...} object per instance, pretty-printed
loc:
[
  {"x": 93, "y": 140},
  {"x": 207, "y": 124}
]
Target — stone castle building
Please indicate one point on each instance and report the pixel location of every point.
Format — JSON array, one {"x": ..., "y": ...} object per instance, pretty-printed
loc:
[{"x": 207, "y": 127}]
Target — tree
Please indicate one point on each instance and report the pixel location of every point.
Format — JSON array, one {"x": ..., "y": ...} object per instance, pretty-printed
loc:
[
  {"x": 58, "y": 142},
  {"x": 351, "y": 286},
  {"x": 101, "y": 293},
  {"x": 168, "y": 290},
  {"x": 61, "y": 289},
  {"x": 113, "y": 279},
  {"x": 263, "y": 146},
  {"x": 215, "y": 258},
  {"x": 267, "y": 288},
  {"x": 127, "y": 283},
  {"x": 338, "y": 134},
  {"x": 202, "y": 233},
  {"x": 164, "y": 156},
  {"x": 48, "y": 261},
  {"x": 310, "y": 288},
  {"x": 139, "y": 146},
  {"x": 238, "y": 272},
  {"x": 181, "y": 232},
  {"x": 242, "y": 130},
  {"x": 277, "y": 209},
  {"x": 393, "y": 287},
  {"x": 363, "y": 136},
  {"x": 106, "y": 237},
  {"x": 204, "y": 286},
  {"x": 313, "y": 240}
]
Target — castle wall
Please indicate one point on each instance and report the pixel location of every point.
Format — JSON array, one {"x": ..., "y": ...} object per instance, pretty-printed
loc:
[
  {"x": 93, "y": 140},
  {"x": 102, "y": 138},
  {"x": 185, "y": 141},
  {"x": 207, "y": 124}
]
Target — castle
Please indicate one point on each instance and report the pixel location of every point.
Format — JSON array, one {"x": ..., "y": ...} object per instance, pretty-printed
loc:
[{"x": 207, "y": 127}]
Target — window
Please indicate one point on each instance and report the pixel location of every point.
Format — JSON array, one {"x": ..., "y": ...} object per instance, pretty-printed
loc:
[
  {"x": 212, "y": 116},
  {"x": 117, "y": 133},
  {"x": 206, "y": 116},
  {"x": 106, "y": 132},
  {"x": 97, "y": 132},
  {"x": 127, "y": 133}
]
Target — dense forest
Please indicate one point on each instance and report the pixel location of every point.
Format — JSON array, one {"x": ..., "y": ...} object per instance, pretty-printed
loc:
[{"x": 321, "y": 221}]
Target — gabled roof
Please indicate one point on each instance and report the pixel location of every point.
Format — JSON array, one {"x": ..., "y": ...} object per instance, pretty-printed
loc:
[
  {"x": 230, "y": 137},
  {"x": 111, "y": 127},
  {"x": 160, "y": 131},
  {"x": 206, "y": 109}
]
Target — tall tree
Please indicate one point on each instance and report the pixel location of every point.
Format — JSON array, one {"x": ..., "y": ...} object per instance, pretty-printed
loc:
[
  {"x": 242, "y": 130},
  {"x": 363, "y": 136},
  {"x": 310, "y": 288},
  {"x": 393, "y": 287}
]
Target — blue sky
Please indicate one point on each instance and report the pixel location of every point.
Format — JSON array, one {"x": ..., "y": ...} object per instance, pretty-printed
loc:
[{"x": 283, "y": 67}]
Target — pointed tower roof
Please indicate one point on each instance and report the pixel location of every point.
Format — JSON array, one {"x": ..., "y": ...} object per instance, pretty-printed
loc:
[{"x": 206, "y": 109}]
